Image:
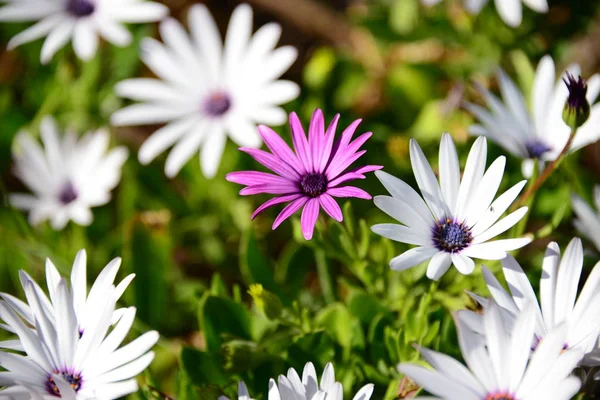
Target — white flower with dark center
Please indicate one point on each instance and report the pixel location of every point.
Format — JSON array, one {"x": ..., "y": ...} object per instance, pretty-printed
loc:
[
  {"x": 541, "y": 134},
  {"x": 588, "y": 219},
  {"x": 81, "y": 21},
  {"x": 511, "y": 11},
  {"x": 71, "y": 339},
  {"x": 499, "y": 365},
  {"x": 292, "y": 388},
  {"x": 558, "y": 304},
  {"x": 207, "y": 91},
  {"x": 67, "y": 176},
  {"x": 454, "y": 220}
]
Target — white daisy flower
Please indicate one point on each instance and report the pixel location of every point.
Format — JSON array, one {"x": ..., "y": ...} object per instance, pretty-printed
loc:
[
  {"x": 67, "y": 176},
  {"x": 207, "y": 91},
  {"x": 558, "y": 304},
  {"x": 588, "y": 219},
  {"x": 242, "y": 393},
  {"x": 511, "y": 11},
  {"x": 541, "y": 134},
  {"x": 71, "y": 339},
  {"x": 455, "y": 219},
  {"x": 292, "y": 388},
  {"x": 499, "y": 365},
  {"x": 81, "y": 21}
]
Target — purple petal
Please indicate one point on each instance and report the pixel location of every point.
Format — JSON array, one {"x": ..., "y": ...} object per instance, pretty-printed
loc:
[
  {"x": 269, "y": 188},
  {"x": 328, "y": 144},
  {"x": 273, "y": 163},
  {"x": 289, "y": 210},
  {"x": 250, "y": 178},
  {"x": 274, "y": 201},
  {"x": 368, "y": 168},
  {"x": 337, "y": 167},
  {"x": 316, "y": 133},
  {"x": 344, "y": 178},
  {"x": 342, "y": 157},
  {"x": 347, "y": 134},
  {"x": 308, "y": 220},
  {"x": 331, "y": 207},
  {"x": 300, "y": 142},
  {"x": 349, "y": 191},
  {"x": 279, "y": 147}
]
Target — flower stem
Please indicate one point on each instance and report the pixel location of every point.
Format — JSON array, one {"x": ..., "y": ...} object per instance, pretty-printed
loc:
[
  {"x": 547, "y": 171},
  {"x": 324, "y": 276}
]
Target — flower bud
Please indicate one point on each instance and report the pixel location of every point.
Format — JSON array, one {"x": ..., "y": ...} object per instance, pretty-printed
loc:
[
  {"x": 267, "y": 302},
  {"x": 577, "y": 108}
]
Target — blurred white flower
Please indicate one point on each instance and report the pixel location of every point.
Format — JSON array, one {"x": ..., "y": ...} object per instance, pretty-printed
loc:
[
  {"x": 511, "y": 11},
  {"x": 452, "y": 221},
  {"x": 292, "y": 388},
  {"x": 73, "y": 351},
  {"x": 242, "y": 393},
  {"x": 558, "y": 304},
  {"x": 541, "y": 134},
  {"x": 207, "y": 91},
  {"x": 499, "y": 365},
  {"x": 587, "y": 219},
  {"x": 67, "y": 176},
  {"x": 81, "y": 21}
]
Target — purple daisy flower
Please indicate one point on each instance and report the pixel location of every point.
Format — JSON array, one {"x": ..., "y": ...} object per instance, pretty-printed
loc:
[{"x": 310, "y": 177}]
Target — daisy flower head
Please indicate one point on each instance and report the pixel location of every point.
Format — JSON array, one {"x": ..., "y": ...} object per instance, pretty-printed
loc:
[
  {"x": 558, "y": 305},
  {"x": 542, "y": 133},
  {"x": 69, "y": 342},
  {"x": 67, "y": 175},
  {"x": 207, "y": 91},
  {"x": 81, "y": 21},
  {"x": 499, "y": 366},
  {"x": 453, "y": 221},
  {"x": 587, "y": 219},
  {"x": 311, "y": 175},
  {"x": 511, "y": 11},
  {"x": 291, "y": 387}
]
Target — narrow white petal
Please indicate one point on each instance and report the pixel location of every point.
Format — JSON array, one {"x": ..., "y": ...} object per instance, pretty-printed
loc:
[{"x": 412, "y": 257}]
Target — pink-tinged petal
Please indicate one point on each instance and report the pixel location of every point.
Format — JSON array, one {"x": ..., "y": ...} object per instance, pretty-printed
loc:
[
  {"x": 316, "y": 136},
  {"x": 368, "y": 168},
  {"x": 274, "y": 201},
  {"x": 308, "y": 220},
  {"x": 331, "y": 207},
  {"x": 300, "y": 142},
  {"x": 279, "y": 147},
  {"x": 345, "y": 178},
  {"x": 328, "y": 143},
  {"x": 348, "y": 133},
  {"x": 349, "y": 191},
  {"x": 289, "y": 210},
  {"x": 269, "y": 189},
  {"x": 272, "y": 162},
  {"x": 250, "y": 178},
  {"x": 336, "y": 168}
]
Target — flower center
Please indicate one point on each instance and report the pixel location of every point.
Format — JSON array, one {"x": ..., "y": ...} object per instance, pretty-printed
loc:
[
  {"x": 67, "y": 194},
  {"x": 500, "y": 396},
  {"x": 80, "y": 8},
  {"x": 313, "y": 185},
  {"x": 217, "y": 104},
  {"x": 537, "y": 148},
  {"x": 73, "y": 379},
  {"x": 451, "y": 237}
]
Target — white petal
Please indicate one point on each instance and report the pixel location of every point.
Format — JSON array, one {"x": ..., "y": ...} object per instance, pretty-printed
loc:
[
  {"x": 449, "y": 171},
  {"x": 463, "y": 264},
  {"x": 427, "y": 182},
  {"x": 412, "y": 257},
  {"x": 85, "y": 40},
  {"x": 212, "y": 151},
  {"x": 57, "y": 38},
  {"x": 511, "y": 11}
]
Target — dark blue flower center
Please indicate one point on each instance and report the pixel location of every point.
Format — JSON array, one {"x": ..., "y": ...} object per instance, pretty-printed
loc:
[
  {"x": 451, "y": 237},
  {"x": 67, "y": 194},
  {"x": 81, "y": 8},
  {"x": 73, "y": 379},
  {"x": 537, "y": 148},
  {"x": 217, "y": 104},
  {"x": 313, "y": 184}
]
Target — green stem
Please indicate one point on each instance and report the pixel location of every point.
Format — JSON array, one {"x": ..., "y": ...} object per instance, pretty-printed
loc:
[{"x": 324, "y": 276}]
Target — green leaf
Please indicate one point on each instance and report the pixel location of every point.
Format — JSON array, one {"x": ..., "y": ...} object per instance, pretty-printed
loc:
[
  {"x": 254, "y": 265},
  {"x": 202, "y": 368},
  {"x": 338, "y": 322},
  {"x": 221, "y": 316}
]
